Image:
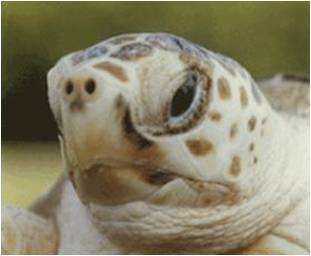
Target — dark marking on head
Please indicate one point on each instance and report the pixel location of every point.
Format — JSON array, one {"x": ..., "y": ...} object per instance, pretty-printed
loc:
[
  {"x": 251, "y": 147},
  {"x": 235, "y": 166},
  {"x": 201, "y": 185},
  {"x": 121, "y": 106},
  {"x": 233, "y": 130},
  {"x": 115, "y": 70},
  {"x": 199, "y": 147},
  {"x": 77, "y": 104},
  {"x": 119, "y": 102},
  {"x": 133, "y": 51},
  {"x": 263, "y": 121},
  {"x": 159, "y": 177},
  {"x": 243, "y": 97},
  {"x": 252, "y": 123},
  {"x": 132, "y": 134},
  {"x": 208, "y": 201},
  {"x": 178, "y": 42},
  {"x": 224, "y": 88},
  {"x": 215, "y": 116},
  {"x": 255, "y": 160}
]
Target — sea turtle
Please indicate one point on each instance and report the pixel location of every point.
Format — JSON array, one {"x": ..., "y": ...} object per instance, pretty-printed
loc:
[{"x": 170, "y": 148}]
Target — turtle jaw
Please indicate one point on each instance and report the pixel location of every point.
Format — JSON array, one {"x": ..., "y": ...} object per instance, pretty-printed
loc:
[
  {"x": 114, "y": 185},
  {"x": 117, "y": 184}
]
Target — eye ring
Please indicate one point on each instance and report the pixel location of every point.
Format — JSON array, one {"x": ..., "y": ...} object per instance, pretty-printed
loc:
[
  {"x": 195, "y": 93},
  {"x": 163, "y": 124}
]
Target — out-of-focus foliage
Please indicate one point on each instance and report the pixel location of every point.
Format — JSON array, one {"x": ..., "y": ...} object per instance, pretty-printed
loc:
[{"x": 266, "y": 37}]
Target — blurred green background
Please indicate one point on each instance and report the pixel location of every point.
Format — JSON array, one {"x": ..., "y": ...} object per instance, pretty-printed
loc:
[{"x": 265, "y": 37}]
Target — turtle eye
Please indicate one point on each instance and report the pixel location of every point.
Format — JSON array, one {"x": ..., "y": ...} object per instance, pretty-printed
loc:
[{"x": 184, "y": 97}]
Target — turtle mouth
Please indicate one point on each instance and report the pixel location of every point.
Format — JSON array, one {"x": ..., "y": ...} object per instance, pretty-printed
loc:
[
  {"x": 111, "y": 184},
  {"x": 116, "y": 184}
]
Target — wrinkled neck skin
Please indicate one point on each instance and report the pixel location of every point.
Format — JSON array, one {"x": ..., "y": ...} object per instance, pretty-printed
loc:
[{"x": 265, "y": 197}]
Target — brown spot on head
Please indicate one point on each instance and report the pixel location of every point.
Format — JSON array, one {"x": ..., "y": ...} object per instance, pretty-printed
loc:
[
  {"x": 255, "y": 160},
  {"x": 214, "y": 116},
  {"x": 190, "y": 60},
  {"x": 119, "y": 102},
  {"x": 233, "y": 130},
  {"x": 243, "y": 97},
  {"x": 252, "y": 123},
  {"x": 251, "y": 147},
  {"x": 113, "y": 69},
  {"x": 133, "y": 51},
  {"x": 201, "y": 185},
  {"x": 207, "y": 201},
  {"x": 120, "y": 105},
  {"x": 199, "y": 147},
  {"x": 186, "y": 58},
  {"x": 235, "y": 166},
  {"x": 224, "y": 88}
]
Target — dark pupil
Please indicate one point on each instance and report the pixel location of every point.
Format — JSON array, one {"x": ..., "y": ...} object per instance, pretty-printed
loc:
[{"x": 184, "y": 96}]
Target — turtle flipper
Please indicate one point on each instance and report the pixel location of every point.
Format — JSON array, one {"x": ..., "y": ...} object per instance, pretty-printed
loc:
[
  {"x": 287, "y": 93},
  {"x": 24, "y": 232}
]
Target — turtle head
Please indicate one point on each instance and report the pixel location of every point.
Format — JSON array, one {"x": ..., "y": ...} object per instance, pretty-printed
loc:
[
  {"x": 156, "y": 120},
  {"x": 144, "y": 116}
]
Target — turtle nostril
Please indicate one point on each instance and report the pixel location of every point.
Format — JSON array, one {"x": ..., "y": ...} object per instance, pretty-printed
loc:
[
  {"x": 90, "y": 86},
  {"x": 69, "y": 87}
]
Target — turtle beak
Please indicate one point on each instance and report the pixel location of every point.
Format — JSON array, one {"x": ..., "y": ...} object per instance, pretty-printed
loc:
[{"x": 112, "y": 185}]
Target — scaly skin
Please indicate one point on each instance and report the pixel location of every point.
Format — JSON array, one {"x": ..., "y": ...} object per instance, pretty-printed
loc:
[{"x": 221, "y": 172}]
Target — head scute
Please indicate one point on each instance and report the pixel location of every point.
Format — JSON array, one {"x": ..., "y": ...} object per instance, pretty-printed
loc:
[
  {"x": 133, "y": 51},
  {"x": 88, "y": 54}
]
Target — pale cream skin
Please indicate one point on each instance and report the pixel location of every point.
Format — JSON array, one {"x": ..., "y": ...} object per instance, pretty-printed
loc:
[{"x": 228, "y": 173}]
